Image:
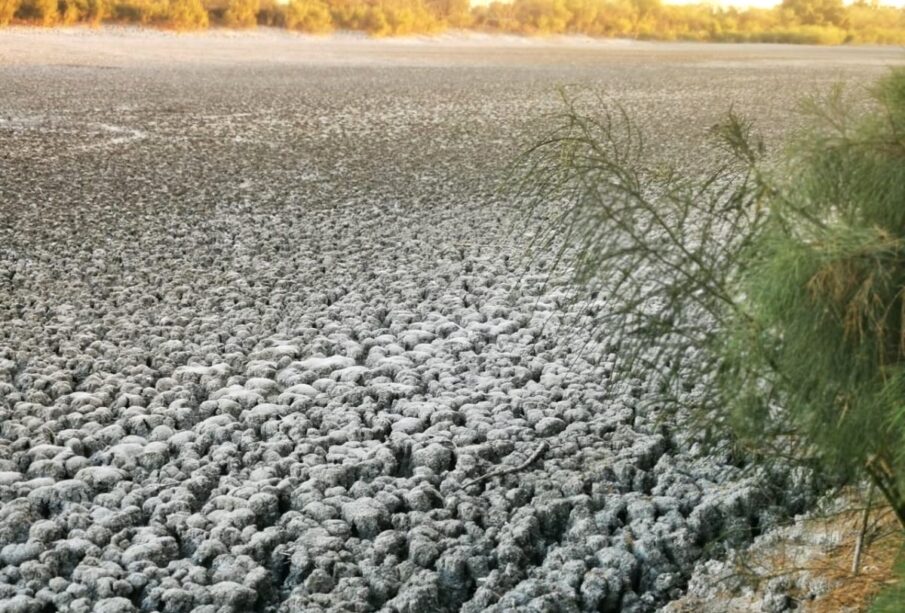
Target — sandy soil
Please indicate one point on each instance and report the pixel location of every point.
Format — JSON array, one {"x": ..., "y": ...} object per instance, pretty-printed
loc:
[{"x": 131, "y": 46}]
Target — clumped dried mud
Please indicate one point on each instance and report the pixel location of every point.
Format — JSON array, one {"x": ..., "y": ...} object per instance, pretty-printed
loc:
[{"x": 262, "y": 317}]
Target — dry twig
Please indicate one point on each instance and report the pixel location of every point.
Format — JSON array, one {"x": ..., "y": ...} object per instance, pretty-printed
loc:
[{"x": 506, "y": 471}]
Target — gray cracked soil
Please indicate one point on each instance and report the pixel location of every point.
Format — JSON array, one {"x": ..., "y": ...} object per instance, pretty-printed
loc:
[{"x": 262, "y": 317}]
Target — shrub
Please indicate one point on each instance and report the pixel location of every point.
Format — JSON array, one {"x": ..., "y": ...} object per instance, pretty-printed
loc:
[
  {"x": 816, "y": 12},
  {"x": 97, "y": 11},
  {"x": 8, "y": 10},
  {"x": 805, "y": 35},
  {"x": 375, "y": 22},
  {"x": 69, "y": 12},
  {"x": 185, "y": 15},
  {"x": 143, "y": 12},
  {"x": 384, "y": 17},
  {"x": 788, "y": 276},
  {"x": 455, "y": 13},
  {"x": 309, "y": 16},
  {"x": 44, "y": 12},
  {"x": 542, "y": 16},
  {"x": 89, "y": 11},
  {"x": 272, "y": 15},
  {"x": 242, "y": 13}
]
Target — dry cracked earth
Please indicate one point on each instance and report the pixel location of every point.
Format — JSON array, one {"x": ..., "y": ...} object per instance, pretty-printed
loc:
[{"x": 264, "y": 316}]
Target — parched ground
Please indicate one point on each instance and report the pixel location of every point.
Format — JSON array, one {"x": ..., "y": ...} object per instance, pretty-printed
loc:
[{"x": 263, "y": 318}]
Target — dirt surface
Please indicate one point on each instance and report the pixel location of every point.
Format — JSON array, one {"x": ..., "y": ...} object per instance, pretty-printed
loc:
[
  {"x": 130, "y": 47},
  {"x": 262, "y": 316}
]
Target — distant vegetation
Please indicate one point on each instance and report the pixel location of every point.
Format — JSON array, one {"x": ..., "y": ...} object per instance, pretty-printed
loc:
[{"x": 794, "y": 21}]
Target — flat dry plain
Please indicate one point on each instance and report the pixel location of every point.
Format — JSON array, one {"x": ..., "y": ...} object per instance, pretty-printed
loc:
[{"x": 262, "y": 317}]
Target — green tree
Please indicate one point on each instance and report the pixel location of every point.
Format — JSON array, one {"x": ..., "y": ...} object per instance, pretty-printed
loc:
[{"x": 788, "y": 274}]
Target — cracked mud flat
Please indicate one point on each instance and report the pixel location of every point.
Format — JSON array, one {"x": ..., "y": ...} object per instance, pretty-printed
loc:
[{"x": 262, "y": 317}]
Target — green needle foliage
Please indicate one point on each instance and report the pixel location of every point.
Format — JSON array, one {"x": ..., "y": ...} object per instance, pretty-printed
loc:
[
  {"x": 769, "y": 294},
  {"x": 890, "y": 599}
]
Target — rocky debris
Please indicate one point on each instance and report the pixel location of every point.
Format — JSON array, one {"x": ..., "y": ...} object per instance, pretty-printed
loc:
[
  {"x": 251, "y": 361},
  {"x": 366, "y": 516}
]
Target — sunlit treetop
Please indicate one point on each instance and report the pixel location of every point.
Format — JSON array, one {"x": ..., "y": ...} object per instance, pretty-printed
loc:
[{"x": 792, "y": 21}]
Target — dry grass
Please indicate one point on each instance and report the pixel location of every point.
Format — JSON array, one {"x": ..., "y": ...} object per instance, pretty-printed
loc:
[
  {"x": 812, "y": 561},
  {"x": 810, "y": 564},
  {"x": 884, "y": 541}
]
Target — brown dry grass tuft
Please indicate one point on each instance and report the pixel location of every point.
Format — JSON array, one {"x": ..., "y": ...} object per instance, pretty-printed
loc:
[
  {"x": 813, "y": 559},
  {"x": 849, "y": 593},
  {"x": 854, "y": 593}
]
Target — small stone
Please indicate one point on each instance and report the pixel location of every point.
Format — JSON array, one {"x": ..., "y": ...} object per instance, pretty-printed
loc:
[
  {"x": 389, "y": 542},
  {"x": 367, "y": 516},
  {"x": 114, "y": 605},
  {"x": 550, "y": 426},
  {"x": 437, "y": 457},
  {"x": 233, "y": 596},
  {"x": 16, "y": 554},
  {"x": 319, "y": 582}
]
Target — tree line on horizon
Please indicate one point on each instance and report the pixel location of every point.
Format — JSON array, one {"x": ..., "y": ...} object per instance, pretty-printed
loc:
[{"x": 793, "y": 21}]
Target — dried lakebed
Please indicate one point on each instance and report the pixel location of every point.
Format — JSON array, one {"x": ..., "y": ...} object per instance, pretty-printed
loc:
[{"x": 265, "y": 333}]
